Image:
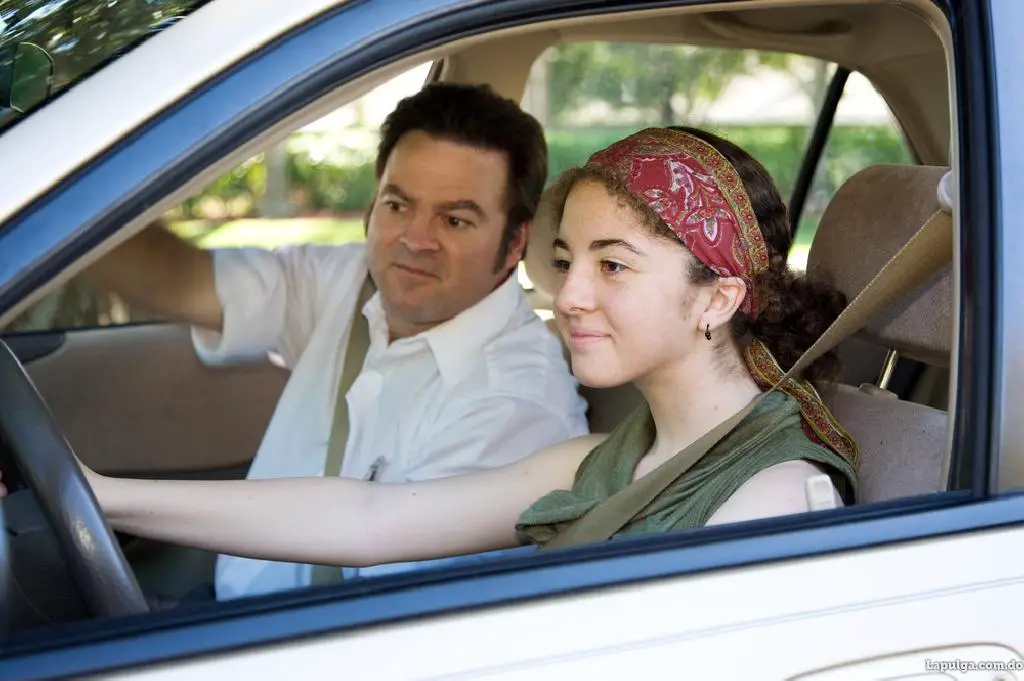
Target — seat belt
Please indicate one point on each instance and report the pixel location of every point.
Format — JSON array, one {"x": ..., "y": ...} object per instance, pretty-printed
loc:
[
  {"x": 927, "y": 252},
  {"x": 355, "y": 355}
]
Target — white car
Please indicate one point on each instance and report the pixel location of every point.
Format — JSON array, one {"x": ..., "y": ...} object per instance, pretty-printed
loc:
[{"x": 921, "y": 581}]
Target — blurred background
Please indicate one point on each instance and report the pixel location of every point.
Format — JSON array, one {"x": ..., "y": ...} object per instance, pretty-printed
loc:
[{"x": 316, "y": 185}]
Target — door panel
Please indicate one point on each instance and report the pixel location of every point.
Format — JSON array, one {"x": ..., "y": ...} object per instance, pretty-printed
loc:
[
  {"x": 135, "y": 400},
  {"x": 890, "y": 612}
]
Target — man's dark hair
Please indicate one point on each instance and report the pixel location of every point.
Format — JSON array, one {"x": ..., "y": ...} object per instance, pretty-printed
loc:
[{"x": 476, "y": 116}]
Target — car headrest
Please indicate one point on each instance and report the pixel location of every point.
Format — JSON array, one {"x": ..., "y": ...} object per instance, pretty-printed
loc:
[{"x": 868, "y": 220}]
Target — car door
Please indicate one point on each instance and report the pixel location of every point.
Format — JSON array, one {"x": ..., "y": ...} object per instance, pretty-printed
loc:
[{"x": 916, "y": 588}]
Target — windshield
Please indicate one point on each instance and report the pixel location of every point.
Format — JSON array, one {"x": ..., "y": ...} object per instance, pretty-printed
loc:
[{"x": 48, "y": 45}]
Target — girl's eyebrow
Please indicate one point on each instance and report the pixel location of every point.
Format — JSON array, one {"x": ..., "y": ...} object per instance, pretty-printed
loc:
[
  {"x": 600, "y": 244},
  {"x": 608, "y": 243}
]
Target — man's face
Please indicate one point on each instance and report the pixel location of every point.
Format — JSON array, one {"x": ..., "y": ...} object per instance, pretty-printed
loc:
[{"x": 435, "y": 231}]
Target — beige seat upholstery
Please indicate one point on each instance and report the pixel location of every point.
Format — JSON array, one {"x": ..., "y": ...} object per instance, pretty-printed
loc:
[{"x": 903, "y": 444}]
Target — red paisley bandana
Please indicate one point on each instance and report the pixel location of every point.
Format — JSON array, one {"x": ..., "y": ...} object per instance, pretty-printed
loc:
[{"x": 698, "y": 194}]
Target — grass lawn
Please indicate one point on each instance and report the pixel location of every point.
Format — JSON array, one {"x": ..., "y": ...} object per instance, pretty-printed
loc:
[
  {"x": 269, "y": 232},
  {"x": 802, "y": 243}
]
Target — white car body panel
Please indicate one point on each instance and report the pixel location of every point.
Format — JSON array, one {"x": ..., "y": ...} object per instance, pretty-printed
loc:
[{"x": 771, "y": 621}]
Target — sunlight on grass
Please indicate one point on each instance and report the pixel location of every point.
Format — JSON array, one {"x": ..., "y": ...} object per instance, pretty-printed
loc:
[
  {"x": 798, "y": 257},
  {"x": 802, "y": 243},
  {"x": 271, "y": 233}
]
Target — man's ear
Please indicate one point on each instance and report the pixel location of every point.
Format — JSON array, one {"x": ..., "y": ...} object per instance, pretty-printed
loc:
[
  {"x": 522, "y": 238},
  {"x": 727, "y": 295},
  {"x": 366, "y": 220},
  {"x": 516, "y": 250}
]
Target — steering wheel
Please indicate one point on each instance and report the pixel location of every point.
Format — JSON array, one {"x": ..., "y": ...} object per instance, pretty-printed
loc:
[{"x": 48, "y": 465}]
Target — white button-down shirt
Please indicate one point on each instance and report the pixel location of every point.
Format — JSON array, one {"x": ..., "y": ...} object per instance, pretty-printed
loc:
[{"x": 482, "y": 390}]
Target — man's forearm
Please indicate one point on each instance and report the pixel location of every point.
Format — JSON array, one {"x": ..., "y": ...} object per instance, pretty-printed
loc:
[
  {"x": 303, "y": 520},
  {"x": 162, "y": 273}
]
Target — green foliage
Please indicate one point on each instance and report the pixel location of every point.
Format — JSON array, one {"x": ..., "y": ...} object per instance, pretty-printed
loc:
[
  {"x": 331, "y": 187},
  {"x": 666, "y": 84},
  {"x": 315, "y": 187},
  {"x": 318, "y": 186},
  {"x": 779, "y": 148}
]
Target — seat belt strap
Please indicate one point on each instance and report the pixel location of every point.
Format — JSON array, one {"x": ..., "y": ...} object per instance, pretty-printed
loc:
[
  {"x": 925, "y": 254},
  {"x": 355, "y": 355}
]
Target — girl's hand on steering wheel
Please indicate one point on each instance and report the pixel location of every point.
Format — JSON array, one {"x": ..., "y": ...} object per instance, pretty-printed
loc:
[{"x": 91, "y": 476}]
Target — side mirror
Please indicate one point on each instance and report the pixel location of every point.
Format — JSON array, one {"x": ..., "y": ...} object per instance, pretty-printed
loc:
[{"x": 31, "y": 77}]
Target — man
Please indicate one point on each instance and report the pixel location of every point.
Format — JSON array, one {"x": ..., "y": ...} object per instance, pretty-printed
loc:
[{"x": 460, "y": 373}]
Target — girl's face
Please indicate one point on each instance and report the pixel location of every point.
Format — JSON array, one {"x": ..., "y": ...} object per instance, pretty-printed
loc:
[{"x": 626, "y": 306}]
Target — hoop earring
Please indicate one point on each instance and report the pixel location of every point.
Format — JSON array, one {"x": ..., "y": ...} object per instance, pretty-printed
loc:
[{"x": 707, "y": 332}]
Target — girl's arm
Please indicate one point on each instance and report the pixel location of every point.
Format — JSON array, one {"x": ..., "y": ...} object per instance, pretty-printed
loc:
[{"x": 339, "y": 521}]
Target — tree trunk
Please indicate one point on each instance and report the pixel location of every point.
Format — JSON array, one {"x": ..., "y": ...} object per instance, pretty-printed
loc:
[
  {"x": 274, "y": 202},
  {"x": 668, "y": 113}
]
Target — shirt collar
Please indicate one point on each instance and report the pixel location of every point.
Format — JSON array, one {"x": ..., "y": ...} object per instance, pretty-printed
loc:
[{"x": 463, "y": 335}]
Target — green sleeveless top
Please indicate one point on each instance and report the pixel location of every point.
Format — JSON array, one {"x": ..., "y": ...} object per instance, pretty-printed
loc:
[{"x": 771, "y": 434}]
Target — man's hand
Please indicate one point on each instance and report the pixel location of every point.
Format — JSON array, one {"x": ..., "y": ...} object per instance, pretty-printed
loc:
[{"x": 3, "y": 489}]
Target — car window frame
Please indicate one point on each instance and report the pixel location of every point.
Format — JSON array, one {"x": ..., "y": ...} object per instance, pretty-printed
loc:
[{"x": 229, "y": 105}]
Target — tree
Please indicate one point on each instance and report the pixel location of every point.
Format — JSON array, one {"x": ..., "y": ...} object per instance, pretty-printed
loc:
[
  {"x": 811, "y": 75},
  {"x": 667, "y": 83}
]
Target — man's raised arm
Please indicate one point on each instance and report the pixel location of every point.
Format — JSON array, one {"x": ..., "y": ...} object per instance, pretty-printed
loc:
[{"x": 162, "y": 273}]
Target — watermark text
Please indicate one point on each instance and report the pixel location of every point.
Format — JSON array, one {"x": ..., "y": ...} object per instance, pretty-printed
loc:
[{"x": 959, "y": 665}]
